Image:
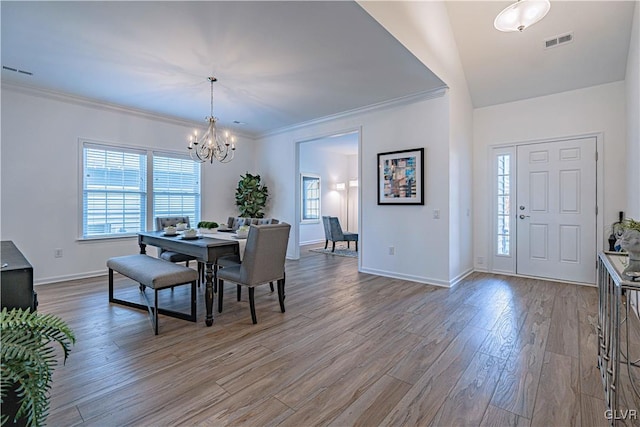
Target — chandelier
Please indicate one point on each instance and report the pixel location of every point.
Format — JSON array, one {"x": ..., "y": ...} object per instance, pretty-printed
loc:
[
  {"x": 521, "y": 15},
  {"x": 214, "y": 144}
]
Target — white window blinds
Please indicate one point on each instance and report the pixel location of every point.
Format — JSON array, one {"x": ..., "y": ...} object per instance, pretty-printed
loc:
[
  {"x": 176, "y": 187},
  {"x": 114, "y": 187},
  {"x": 310, "y": 198}
]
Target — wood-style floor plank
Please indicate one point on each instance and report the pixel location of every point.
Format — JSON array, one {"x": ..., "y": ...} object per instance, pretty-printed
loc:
[
  {"x": 558, "y": 395},
  {"x": 351, "y": 349}
]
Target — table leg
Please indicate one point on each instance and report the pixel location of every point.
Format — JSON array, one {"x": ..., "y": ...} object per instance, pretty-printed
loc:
[
  {"x": 143, "y": 249},
  {"x": 209, "y": 294}
]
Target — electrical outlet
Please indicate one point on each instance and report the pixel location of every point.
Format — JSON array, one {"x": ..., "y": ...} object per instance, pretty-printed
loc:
[
  {"x": 57, "y": 253},
  {"x": 392, "y": 250},
  {"x": 436, "y": 214}
]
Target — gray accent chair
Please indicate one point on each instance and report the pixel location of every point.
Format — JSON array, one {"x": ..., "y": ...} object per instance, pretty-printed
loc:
[
  {"x": 333, "y": 231},
  {"x": 166, "y": 221},
  {"x": 262, "y": 263},
  {"x": 327, "y": 230}
]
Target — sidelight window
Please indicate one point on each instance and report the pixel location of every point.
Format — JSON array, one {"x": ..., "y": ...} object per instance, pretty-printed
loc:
[{"x": 503, "y": 201}]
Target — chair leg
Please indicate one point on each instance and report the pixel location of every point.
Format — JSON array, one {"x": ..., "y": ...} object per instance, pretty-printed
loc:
[
  {"x": 326, "y": 243},
  {"x": 347, "y": 244},
  {"x": 239, "y": 291},
  {"x": 252, "y": 305},
  {"x": 220, "y": 292},
  {"x": 281, "y": 294},
  {"x": 333, "y": 248},
  {"x": 356, "y": 246},
  {"x": 271, "y": 286}
]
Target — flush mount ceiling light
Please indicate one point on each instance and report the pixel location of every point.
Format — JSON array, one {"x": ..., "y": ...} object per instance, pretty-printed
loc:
[
  {"x": 521, "y": 15},
  {"x": 213, "y": 145}
]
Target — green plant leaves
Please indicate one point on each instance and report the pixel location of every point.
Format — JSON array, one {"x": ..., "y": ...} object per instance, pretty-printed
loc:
[
  {"x": 251, "y": 196},
  {"x": 28, "y": 359}
]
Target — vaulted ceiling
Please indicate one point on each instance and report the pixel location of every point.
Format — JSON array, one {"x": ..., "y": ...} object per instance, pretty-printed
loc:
[
  {"x": 502, "y": 67},
  {"x": 285, "y": 63}
]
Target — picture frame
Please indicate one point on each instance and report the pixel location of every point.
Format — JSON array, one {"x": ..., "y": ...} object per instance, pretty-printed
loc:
[{"x": 401, "y": 177}]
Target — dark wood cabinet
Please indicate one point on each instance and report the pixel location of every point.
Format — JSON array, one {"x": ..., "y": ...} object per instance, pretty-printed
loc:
[{"x": 16, "y": 280}]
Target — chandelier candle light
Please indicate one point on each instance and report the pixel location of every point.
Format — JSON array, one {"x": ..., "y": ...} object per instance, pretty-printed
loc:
[
  {"x": 521, "y": 15},
  {"x": 213, "y": 145}
]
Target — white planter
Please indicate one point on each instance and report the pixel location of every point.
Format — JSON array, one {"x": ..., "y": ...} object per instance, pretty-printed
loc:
[{"x": 208, "y": 230}]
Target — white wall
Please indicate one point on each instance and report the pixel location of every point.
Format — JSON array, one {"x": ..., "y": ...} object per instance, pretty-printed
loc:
[
  {"x": 591, "y": 110},
  {"x": 633, "y": 119},
  {"x": 425, "y": 30},
  {"x": 40, "y": 177},
  {"x": 332, "y": 167},
  {"x": 421, "y": 243}
]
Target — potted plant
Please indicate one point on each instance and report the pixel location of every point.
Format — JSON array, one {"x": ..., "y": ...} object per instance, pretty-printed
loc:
[
  {"x": 208, "y": 227},
  {"x": 251, "y": 196},
  {"x": 28, "y": 359}
]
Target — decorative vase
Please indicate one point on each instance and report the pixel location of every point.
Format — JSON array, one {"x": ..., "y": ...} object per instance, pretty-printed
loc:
[{"x": 630, "y": 242}]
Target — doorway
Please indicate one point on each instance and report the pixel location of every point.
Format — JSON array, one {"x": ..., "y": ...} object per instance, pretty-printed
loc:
[
  {"x": 545, "y": 209},
  {"x": 334, "y": 159}
]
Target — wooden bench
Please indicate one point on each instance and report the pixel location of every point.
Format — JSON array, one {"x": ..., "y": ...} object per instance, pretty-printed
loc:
[{"x": 156, "y": 274}]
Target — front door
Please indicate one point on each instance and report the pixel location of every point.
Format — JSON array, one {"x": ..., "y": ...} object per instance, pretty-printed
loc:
[{"x": 556, "y": 210}]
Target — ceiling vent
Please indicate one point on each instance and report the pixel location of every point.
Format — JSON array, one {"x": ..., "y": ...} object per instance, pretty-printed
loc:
[{"x": 558, "y": 40}]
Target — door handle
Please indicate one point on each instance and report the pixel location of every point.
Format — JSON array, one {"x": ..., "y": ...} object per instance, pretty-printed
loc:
[{"x": 524, "y": 216}]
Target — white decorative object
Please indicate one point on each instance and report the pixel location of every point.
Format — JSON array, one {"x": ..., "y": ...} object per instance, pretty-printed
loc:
[
  {"x": 208, "y": 230},
  {"x": 630, "y": 242}
]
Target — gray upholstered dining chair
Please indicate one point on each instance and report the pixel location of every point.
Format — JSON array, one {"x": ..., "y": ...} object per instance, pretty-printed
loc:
[
  {"x": 166, "y": 221},
  {"x": 337, "y": 235},
  {"x": 262, "y": 263}
]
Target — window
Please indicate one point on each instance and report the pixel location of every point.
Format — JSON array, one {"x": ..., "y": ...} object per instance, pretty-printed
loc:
[
  {"x": 116, "y": 182},
  {"x": 310, "y": 193},
  {"x": 503, "y": 210},
  {"x": 176, "y": 187},
  {"x": 114, "y": 191}
]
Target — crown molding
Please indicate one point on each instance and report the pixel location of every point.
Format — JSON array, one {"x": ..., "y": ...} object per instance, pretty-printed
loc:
[
  {"x": 107, "y": 106},
  {"x": 396, "y": 102}
]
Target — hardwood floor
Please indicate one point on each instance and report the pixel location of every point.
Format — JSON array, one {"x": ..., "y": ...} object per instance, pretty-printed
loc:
[{"x": 352, "y": 349}]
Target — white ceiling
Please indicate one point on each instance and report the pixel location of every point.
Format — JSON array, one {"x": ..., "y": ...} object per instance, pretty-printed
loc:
[
  {"x": 285, "y": 63},
  {"x": 277, "y": 63},
  {"x": 503, "y": 67}
]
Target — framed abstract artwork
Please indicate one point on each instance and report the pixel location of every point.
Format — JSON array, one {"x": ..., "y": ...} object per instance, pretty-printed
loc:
[{"x": 401, "y": 177}]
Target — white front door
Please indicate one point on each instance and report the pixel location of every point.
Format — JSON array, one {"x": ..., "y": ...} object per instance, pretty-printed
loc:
[{"x": 555, "y": 212}]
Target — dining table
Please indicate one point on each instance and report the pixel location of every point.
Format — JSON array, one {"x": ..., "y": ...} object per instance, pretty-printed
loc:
[{"x": 205, "y": 248}]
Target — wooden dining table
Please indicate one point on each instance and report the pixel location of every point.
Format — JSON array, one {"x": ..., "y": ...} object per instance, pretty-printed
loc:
[{"x": 206, "y": 249}]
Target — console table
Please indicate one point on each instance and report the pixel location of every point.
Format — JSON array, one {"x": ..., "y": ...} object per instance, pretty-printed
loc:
[
  {"x": 16, "y": 280},
  {"x": 613, "y": 345}
]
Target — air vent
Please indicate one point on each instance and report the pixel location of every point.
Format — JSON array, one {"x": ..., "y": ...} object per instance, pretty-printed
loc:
[
  {"x": 15, "y": 70},
  {"x": 558, "y": 40}
]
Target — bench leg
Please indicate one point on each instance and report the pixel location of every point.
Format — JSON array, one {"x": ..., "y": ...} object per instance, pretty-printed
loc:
[
  {"x": 154, "y": 310},
  {"x": 110, "y": 285}
]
